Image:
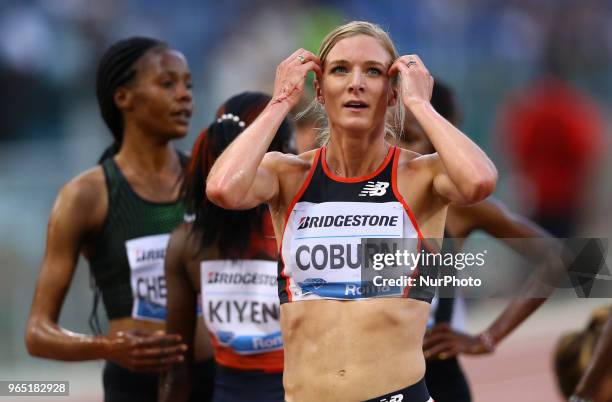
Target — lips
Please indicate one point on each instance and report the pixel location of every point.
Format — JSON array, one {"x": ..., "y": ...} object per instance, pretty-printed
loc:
[
  {"x": 182, "y": 115},
  {"x": 356, "y": 104}
]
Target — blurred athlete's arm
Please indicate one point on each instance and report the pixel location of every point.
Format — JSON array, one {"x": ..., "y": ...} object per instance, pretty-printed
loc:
[
  {"x": 245, "y": 176},
  {"x": 496, "y": 220},
  {"x": 176, "y": 384},
  {"x": 77, "y": 213},
  {"x": 600, "y": 365}
]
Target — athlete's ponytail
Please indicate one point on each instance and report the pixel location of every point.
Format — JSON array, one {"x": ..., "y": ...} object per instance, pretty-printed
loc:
[
  {"x": 229, "y": 231},
  {"x": 575, "y": 350},
  {"x": 116, "y": 68}
]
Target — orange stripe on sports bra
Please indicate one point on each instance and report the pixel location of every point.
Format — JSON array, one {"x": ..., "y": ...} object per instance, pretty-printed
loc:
[
  {"x": 355, "y": 179},
  {"x": 313, "y": 167}
]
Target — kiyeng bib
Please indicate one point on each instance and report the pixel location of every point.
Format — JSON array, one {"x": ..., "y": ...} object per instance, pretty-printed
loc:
[{"x": 240, "y": 305}]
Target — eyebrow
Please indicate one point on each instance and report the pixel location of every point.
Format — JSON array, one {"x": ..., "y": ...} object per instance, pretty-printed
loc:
[
  {"x": 175, "y": 73},
  {"x": 367, "y": 62}
]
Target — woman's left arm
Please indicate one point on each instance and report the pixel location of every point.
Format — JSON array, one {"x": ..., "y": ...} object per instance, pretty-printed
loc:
[
  {"x": 464, "y": 173},
  {"x": 176, "y": 384}
]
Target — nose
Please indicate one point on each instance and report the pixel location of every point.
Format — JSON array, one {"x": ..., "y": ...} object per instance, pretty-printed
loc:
[
  {"x": 356, "y": 83},
  {"x": 184, "y": 93}
]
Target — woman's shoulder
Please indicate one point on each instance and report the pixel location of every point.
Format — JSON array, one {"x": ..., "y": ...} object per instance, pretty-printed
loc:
[
  {"x": 186, "y": 244},
  {"x": 292, "y": 171},
  {"x": 410, "y": 159},
  {"x": 416, "y": 167},
  {"x": 82, "y": 202},
  {"x": 289, "y": 162},
  {"x": 180, "y": 236},
  {"x": 183, "y": 234},
  {"x": 88, "y": 187}
]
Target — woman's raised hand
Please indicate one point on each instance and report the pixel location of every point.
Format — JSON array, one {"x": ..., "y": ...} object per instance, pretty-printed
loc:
[
  {"x": 291, "y": 76},
  {"x": 415, "y": 80}
]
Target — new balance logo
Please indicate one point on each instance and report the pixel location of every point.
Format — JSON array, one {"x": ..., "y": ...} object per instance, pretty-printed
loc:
[
  {"x": 394, "y": 398},
  {"x": 374, "y": 189}
]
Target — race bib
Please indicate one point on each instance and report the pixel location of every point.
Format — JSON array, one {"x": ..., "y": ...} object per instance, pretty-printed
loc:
[
  {"x": 240, "y": 304},
  {"x": 146, "y": 259}
]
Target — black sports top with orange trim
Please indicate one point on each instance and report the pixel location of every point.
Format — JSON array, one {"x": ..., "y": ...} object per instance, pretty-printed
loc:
[{"x": 321, "y": 253}]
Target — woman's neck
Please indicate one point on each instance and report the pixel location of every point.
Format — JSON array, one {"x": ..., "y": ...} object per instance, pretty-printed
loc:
[
  {"x": 146, "y": 154},
  {"x": 355, "y": 156}
]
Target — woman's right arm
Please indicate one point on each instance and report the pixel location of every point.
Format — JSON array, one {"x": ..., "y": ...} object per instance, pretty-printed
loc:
[
  {"x": 245, "y": 176},
  {"x": 74, "y": 216},
  {"x": 496, "y": 220},
  {"x": 68, "y": 226}
]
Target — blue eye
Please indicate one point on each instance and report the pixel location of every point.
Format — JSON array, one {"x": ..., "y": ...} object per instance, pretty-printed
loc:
[
  {"x": 374, "y": 71},
  {"x": 339, "y": 69}
]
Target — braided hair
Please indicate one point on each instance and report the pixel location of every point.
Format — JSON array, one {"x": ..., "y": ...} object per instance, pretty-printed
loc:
[
  {"x": 117, "y": 68},
  {"x": 230, "y": 231}
]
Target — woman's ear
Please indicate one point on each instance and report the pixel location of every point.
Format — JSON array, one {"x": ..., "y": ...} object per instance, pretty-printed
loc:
[
  {"x": 123, "y": 98},
  {"x": 318, "y": 92}
]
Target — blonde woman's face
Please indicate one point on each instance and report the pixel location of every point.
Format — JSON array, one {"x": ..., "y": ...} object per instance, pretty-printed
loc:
[{"x": 355, "y": 86}]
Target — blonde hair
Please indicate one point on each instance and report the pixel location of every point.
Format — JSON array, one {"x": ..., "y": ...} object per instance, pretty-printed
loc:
[{"x": 348, "y": 30}]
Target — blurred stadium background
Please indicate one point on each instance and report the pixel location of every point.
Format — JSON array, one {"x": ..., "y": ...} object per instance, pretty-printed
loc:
[{"x": 487, "y": 50}]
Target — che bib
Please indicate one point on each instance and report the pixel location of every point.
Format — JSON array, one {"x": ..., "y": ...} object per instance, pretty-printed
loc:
[{"x": 146, "y": 260}]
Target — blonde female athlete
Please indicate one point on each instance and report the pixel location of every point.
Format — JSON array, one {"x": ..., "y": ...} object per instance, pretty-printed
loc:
[{"x": 342, "y": 344}]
